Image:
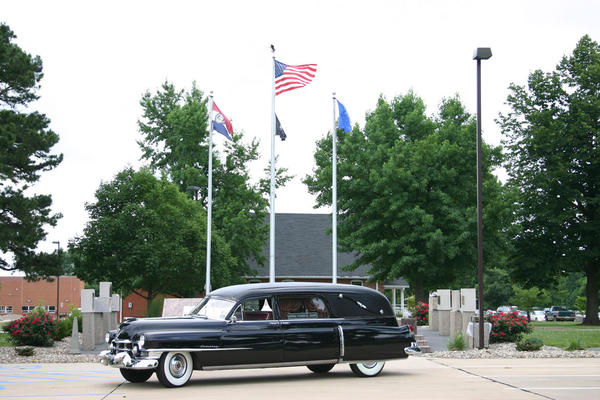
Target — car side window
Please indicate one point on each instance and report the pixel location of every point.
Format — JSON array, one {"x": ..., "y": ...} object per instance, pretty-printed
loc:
[
  {"x": 302, "y": 307},
  {"x": 255, "y": 310}
]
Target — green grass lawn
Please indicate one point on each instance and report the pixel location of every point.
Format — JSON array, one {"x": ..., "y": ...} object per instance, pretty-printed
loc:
[
  {"x": 5, "y": 340},
  {"x": 4, "y": 337},
  {"x": 562, "y": 334}
]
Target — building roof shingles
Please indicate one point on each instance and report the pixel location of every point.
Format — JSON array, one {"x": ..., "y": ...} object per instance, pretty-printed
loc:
[{"x": 303, "y": 249}]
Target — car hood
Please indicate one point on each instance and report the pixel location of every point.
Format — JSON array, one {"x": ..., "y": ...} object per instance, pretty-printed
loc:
[{"x": 131, "y": 329}]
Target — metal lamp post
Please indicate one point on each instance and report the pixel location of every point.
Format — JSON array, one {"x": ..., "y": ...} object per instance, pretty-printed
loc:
[
  {"x": 481, "y": 53},
  {"x": 57, "y": 243}
]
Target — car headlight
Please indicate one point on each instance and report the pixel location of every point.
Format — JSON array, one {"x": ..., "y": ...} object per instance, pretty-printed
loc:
[
  {"x": 107, "y": 337},
  {"x": 142, "y": 340},
  {"x": 135, "y": 349}
]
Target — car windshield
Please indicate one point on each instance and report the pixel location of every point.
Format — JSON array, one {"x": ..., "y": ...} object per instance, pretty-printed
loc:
[{"x": 213, "y": 308}]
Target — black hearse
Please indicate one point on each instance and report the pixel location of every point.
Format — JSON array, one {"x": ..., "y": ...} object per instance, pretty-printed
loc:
[{"x": 264, "y": 325}]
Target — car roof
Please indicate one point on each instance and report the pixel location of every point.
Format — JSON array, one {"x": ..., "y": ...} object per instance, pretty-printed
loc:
[{"x": 259, "y": 289}]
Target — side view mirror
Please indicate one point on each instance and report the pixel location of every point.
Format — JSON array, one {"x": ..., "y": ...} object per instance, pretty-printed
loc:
[{"x": 233, "y": 319}]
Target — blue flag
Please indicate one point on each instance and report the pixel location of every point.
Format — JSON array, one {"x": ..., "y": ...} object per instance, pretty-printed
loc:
[{"x": 344, "y": 118}]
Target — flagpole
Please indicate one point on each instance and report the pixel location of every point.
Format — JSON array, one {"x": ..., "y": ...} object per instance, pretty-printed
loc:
[
  {"x": 272, "y": 206},
  {"x": 209, "y": 207},
  {"x": 334, "y": 198}
]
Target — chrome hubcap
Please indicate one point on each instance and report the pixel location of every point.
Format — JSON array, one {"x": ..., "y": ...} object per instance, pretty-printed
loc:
[
  {"x": 370, "y": 364},
  {"x": 178, "y": 365}
]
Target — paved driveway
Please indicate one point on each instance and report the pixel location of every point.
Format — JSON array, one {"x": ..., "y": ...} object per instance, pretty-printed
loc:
[{"x": 415, "y": 378}]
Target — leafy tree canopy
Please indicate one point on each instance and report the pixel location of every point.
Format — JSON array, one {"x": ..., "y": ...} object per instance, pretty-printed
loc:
[
  {"x": 25, "y": 152},
  {"x": 554, "y": 166},
  {"x": 407, "y": 193},
  {"x": 145, "y": 234},
  {"x": 174, "y": 142},
  {"x": 498, "y": 288},
  {"x": 528, "y": 298}
]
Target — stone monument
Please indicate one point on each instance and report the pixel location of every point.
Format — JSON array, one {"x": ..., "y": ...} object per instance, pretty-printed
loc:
[{"x": 98, "y": 315}]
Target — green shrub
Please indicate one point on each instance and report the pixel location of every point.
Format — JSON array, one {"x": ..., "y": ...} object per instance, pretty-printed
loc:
[
  {"x": 24, "y": 351},
  {"x": 65, "y": 325},
  {"x": 34, "y": 329},
  {"x": 508, "y": 327},
  {"x": 72, "y": 314},
  {"x": 64, "y": 328},
  {"x": 529, "y": 344},
  {"x": 458, "y": 343},
  {"x": 574, "y": 344}
]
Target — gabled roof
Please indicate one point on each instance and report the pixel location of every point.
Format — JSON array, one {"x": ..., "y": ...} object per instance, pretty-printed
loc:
[{"x": 303, "y": 249}]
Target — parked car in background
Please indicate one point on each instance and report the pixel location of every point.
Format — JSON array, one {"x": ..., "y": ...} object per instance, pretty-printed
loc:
[
  {"x": 560, "y": 313},
  {"x": 506, "y": 309},
  {"x": 264, "y": 325},
  {"x": 538, "y": 315},
  {"x": 525, "y": 314}
]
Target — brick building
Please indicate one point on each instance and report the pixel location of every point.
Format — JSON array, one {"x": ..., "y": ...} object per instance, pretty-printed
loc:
[{"x": 19, "y": 296}]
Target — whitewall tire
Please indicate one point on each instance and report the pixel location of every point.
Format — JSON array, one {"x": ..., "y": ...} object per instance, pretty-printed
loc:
[
  {"x": 175, "y": 368},
  {"x": 367, "y": 369}
]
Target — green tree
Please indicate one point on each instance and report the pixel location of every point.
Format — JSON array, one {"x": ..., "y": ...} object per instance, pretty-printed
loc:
[
  {"x": 566, "y": 289},
  {"x": 174, "y": 141},
  {"x": 145, "y": 234},
  {"x": 407, "y": 193},
  {"x": 497, "y": 287},
  {"x": 528, "y": 298},
  {"x": 554, "y": 163},
  {"x": 25, "y": 152}
]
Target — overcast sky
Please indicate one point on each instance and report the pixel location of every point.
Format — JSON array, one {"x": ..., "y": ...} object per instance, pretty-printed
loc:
[{"x": 101, "y": 56}]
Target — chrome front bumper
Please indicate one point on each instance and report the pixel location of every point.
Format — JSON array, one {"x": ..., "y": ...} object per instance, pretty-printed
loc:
[{"x": 124, "y": 360}]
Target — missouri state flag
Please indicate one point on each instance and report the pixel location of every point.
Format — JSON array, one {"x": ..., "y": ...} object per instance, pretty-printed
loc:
[{"x": 220, "y": 123}]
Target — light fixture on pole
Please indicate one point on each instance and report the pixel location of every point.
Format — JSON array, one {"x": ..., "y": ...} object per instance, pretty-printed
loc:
[
  {"x": 194, "y": 189},
  {"x": 57, "y": 243},
  {"x": 481, "y": 53}
]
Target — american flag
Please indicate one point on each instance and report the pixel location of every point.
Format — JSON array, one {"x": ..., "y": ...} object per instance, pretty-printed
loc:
[{"x": 290, "y": 77}]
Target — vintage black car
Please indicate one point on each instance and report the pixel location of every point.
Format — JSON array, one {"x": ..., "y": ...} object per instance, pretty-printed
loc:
[{"x": 264, "y": 325}]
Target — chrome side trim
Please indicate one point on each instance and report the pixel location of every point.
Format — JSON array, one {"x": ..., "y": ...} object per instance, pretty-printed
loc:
[
  {"x": 269, "y": 365},
  {"x": 342, "y": 348},
  {"x": 194, "y": 349}
]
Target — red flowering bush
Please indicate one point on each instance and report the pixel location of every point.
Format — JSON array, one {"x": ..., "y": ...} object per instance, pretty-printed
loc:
[
  {"x": 422, "y": 313},
  {"x": 34, "y": 329},
  {"x": 508, "y": 327}
]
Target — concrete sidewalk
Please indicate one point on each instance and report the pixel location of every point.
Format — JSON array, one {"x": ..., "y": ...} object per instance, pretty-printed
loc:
[
  {"x": 435, "y": 341},
  {"x": 412, "y": 378}
]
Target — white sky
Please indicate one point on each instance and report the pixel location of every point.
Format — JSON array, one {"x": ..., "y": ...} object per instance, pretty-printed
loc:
[{"x": 101, "y": 56}]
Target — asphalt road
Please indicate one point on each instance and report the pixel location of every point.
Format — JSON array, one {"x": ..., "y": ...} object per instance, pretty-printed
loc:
[{"x": 415, "y": 378}]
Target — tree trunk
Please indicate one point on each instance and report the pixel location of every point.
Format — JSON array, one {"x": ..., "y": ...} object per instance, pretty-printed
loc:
[
  {"x": 591, "y": 292},
  {"x": 148, "y": 301},
  {"x": 421, "y": 294}
]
